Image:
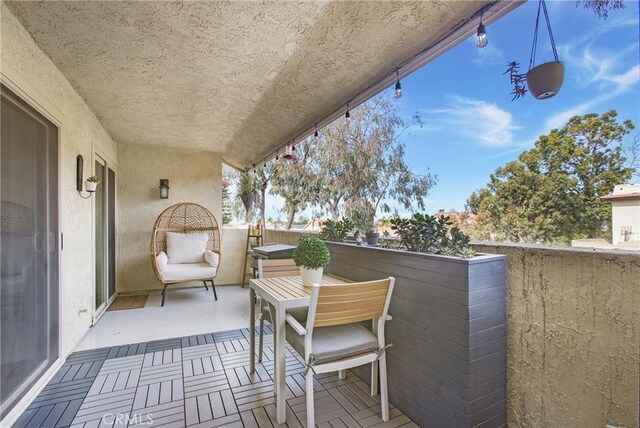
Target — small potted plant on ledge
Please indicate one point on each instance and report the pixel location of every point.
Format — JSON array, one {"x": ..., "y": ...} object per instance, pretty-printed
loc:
[
  {"x": 92, "y": 183},
  {"x": 312, "y": 256}
]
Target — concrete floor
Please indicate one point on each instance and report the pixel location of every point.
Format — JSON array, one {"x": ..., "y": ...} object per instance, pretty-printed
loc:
[{"x": 186, "y": 312}]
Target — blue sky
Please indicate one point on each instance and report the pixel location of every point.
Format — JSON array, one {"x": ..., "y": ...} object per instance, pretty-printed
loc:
[{"x": 471, "y": 126}]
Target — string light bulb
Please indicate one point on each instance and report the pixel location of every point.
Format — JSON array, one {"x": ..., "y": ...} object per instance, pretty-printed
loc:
[
  {"x": 347, "y": 115},
  {"x": 398, "y": 91},
  {"x": 482, "y": 34},
  {"x": 288, "y": 151},
  {"x": 315, "y": 134}
]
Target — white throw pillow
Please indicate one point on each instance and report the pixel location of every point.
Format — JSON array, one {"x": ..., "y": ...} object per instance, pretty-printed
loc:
[
  {"x": 162, "y": 260},
  {"x": 212, "y": 258},
  {"x": 186, "y": 247}
]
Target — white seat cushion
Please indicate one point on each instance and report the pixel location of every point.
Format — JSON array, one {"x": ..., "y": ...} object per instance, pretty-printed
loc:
[
  {"x": 336, "y": 342},
  {"x": 186, "y": 247},
  {"x": 188, "y": 272}
]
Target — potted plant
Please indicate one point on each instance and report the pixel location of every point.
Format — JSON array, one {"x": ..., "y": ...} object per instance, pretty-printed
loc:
[
  {"x": 312, "y": 256},
  {"x": 92, "y": 183},
  {"x": 544, "y": 80}
]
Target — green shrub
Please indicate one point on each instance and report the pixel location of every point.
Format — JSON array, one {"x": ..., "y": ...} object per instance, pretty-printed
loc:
[
  {"x": 432, "y": 234},
  {"x": 311, "y": 253},
  {"x": 336, "y": 231}
]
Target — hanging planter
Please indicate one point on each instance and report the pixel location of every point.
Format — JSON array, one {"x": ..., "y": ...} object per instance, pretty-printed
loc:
[{"x": 545, "y": 80}]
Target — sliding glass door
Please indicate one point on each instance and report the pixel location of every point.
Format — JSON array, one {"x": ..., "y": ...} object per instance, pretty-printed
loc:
[
  {"x": 29, "y": 256},
  {"x": 105, "y": 263}
]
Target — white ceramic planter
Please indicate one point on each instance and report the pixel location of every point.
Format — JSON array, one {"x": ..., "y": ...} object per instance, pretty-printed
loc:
[
  {"x": 545, "y": 80},
  {"x": 90, "y": 186},
  {"x": 311, "y": 276}
]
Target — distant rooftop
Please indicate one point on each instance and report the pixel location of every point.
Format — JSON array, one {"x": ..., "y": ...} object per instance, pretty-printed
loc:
[{"x": 623, "y": 191}]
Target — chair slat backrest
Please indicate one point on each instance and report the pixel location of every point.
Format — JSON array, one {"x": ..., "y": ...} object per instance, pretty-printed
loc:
[
  {"x": 349, "y": 303},
  {"x": 277, "y": 268}
]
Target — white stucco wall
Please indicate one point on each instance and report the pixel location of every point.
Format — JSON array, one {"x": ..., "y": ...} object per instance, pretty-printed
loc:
[
  {"x": 625, "y": 213},
  {"x": 31, "y": 74},
  {"x": 234, "y": 245},
  {"x": 194, "y": 176}
]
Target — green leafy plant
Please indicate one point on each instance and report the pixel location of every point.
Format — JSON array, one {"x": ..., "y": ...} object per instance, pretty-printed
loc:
[
  {"x": 336, "y": 231},
  {"x": 94, "y": 179},
  {"x": 423, "y": 233},
  {"x": 311, "y": 253}
]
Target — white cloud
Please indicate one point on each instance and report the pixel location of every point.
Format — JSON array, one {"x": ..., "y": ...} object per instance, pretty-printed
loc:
[
  {"x": 622, "y": 83},
  {"x": 627, "y": 79},
  {"x": 479, "y": 120},
  {"x": 490, "y": 55}
]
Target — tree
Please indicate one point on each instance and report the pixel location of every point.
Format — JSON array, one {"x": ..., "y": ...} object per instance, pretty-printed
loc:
[
  {"x": 602, "y": 7},
  {"x": 354, "y": 168},
  {"x": 294, "y": 180},
  {"x": 230, "y": 175},
  {"x": 552, "y": 192},
  {"x": 247, "y": 195},
  {"x": 362, "y": 167},
  {"x": 475, "y": 199}
]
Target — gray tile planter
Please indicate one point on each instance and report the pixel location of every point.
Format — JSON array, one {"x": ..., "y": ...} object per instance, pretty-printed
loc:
[{"x": 447, "y": 366}]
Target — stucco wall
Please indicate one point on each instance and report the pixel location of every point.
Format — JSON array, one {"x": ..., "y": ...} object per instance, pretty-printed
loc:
[
  {"x": 194, "y": 176},
  {"x": 572, "y": 324},
  {"x": 625, "y": 213},
  {"x": 234, "y": 244},
  {"x": 30, "y": 73}
]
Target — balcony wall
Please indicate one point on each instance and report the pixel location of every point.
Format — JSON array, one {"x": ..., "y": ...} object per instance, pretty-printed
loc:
[
  {"x": 194, "y": 176},
  {"x": 573, "y": 325},
  {"x": 573, "y": 319}
]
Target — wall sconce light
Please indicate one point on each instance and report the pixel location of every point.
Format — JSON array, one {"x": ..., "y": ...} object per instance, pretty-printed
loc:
[
  {"x": 90, "y": 184},
  {"x": 164, "y": 188}
]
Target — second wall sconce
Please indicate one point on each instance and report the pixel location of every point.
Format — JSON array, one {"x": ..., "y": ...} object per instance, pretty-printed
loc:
[
  {"x": 90, "y": 184},
  {"x": 164, "y": 188}
]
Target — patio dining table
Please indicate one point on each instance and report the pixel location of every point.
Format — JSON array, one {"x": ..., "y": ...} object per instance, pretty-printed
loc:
[{"x": 283, "y": 293}]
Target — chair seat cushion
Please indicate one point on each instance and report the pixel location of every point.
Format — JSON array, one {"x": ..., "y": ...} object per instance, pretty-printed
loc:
[
  {"x": 188, "y": 272},
  {"x": 300, "y": 314},
  {"x": 336, "y": 342}
]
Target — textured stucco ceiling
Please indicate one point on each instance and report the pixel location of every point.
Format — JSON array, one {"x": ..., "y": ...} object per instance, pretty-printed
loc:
[{"x": 233, "y": 77}]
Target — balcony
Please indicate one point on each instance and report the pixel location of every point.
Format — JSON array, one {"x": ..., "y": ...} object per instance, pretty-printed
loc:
[{"x": 128, "y": 98}]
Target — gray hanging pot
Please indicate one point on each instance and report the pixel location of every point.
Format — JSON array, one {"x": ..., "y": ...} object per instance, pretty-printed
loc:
[{"x": 545, "y": 80}]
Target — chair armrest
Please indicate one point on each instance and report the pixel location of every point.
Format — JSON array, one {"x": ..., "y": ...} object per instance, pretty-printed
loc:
[
  {"x": 161, "y": 261},
  {"x": 296, "y": 325},
  {"x": 212, "y": 258}
]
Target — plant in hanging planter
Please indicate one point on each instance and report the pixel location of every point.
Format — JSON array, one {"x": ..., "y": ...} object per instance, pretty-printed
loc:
[
  {"x": 544, "y": 80},
  {"x": 312, "y": 256},
  {"x": 517, "y": 80},
  {"x": 92, "y": 183}
]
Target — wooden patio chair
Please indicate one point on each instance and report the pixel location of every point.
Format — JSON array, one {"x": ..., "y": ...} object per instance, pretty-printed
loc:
[
  {"x": 185, "y": 246},
  {"x": 273, "y": 269},
  {"x": 334, "y": 340}
]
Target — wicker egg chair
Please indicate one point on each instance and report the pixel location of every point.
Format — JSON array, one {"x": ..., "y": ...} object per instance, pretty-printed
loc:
[{"x": 185, "y": 218}]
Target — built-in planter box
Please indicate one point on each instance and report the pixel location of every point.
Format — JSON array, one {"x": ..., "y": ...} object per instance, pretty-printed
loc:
[{"x": 447, "y": 365}]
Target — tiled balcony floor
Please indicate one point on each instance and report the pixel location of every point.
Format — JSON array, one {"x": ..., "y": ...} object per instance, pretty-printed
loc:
[{"x": 195, "y": 381}]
